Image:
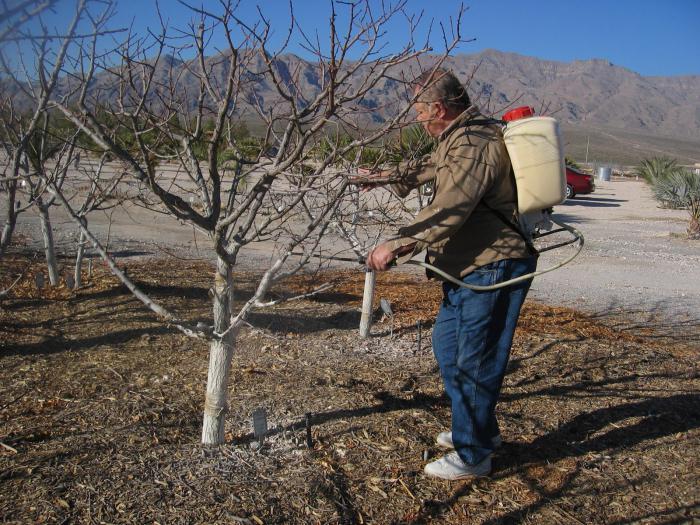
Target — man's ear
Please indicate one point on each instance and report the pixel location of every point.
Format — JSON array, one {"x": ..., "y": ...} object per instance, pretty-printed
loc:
[{"x": 440, "y": 110}]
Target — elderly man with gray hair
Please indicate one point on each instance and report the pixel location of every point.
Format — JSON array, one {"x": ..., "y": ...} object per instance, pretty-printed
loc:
[{"x": 469, "y": 231}]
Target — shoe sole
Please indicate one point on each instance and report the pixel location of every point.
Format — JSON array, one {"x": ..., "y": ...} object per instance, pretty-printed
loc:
[
  {"x": 458, "y": 478},
  {"x": 439, "y": 473}
]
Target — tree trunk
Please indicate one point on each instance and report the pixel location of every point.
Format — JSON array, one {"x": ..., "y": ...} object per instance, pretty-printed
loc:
[
  {"x": 11, "y": 218},
  {"x": 82, "y": 239},
  {"x": 367, "y": 299},
  {"x": 6, "y": 237},
  {"x": 49, "y": 248},
  {"x": 220, "y": 354}
]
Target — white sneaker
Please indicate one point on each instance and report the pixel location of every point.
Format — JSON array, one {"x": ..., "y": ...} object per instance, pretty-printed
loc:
[
  {"x": 444, "y": 440},
  {"x": 452, "y": 467}
]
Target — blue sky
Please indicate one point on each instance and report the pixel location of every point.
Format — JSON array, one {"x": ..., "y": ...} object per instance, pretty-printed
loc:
[{"x": 651, "y": 37}]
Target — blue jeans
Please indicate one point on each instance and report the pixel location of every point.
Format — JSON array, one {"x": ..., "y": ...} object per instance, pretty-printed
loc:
[{"x": 472, "y": 337}]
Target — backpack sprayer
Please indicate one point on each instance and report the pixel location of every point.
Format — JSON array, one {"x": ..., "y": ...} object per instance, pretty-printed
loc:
[{"x": 536, "y": 153}]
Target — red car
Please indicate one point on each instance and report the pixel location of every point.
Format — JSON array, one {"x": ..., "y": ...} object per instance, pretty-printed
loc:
[{"x": 577, "y": 182}]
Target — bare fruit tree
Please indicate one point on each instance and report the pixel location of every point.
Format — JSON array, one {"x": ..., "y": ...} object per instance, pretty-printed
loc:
[
  {"x": 172, "y": 120},
  {"x": 40, "y": 147},
  {"x": 23, "y": 129}
]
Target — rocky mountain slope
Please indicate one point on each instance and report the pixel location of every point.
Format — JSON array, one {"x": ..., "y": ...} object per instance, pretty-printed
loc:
[{"x": 584, "y": 92}]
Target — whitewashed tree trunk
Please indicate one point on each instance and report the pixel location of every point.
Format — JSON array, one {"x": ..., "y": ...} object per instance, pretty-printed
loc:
[
  {"x": 82, "y": 239},
  {"x": 220, "y": 354},
  {"x": 10, "y": 218},
  {"x": 6, "y": 236},
  {"x": 49, "y": 248},
  {"x": 367, "y": 299}
]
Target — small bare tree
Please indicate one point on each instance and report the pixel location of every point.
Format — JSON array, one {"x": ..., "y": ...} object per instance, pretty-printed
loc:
[
  {"x": 32, "y": 155},
  {"x": 157, "y": 109},
  {"x": 97, "y": 191}
]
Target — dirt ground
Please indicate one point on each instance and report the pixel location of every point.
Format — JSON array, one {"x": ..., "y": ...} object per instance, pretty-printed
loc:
[{"x": 101, "y": 408}]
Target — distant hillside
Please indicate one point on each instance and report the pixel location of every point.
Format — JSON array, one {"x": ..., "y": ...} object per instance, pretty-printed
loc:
[
  {"x": 591, "y": 97},
  {"x": 593, "y": 92}
]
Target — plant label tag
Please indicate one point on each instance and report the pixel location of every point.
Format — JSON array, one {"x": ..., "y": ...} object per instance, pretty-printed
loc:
[{"x": 260, "y": 424}]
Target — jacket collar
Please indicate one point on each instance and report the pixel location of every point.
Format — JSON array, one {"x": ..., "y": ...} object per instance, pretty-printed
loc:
[{"x": 461, "y": 120}]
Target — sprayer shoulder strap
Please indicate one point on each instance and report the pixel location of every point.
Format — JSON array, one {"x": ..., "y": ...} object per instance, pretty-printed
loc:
[
  {"x": 513, "y": 225},
  {"x": 483, "y": 122}
]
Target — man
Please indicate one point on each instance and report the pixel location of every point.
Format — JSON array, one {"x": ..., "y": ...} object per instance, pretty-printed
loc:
[{"x": 470, "y": 231}]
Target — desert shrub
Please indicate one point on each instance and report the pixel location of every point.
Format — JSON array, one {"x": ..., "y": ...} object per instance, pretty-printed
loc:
[
  {"x": 249, "y": 147},
  {"x": 332, "y": 143},
  {"x": 572, "y": 163},
  {"x": 674, "y": 187},
  {"x": 371, "y": 156},
  {"x": 413, "y": 142},
  {"x": 659, "y": 173},
  {"x": 681, "y": 190},
  {"x": 656, "y": 168}
]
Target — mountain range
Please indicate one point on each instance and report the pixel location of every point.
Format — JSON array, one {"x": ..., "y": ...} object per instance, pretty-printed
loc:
[
  {"x": 594, "y": 92},
  {"x": 589, "y": 92},
  {"x": 581, "y": 94}
]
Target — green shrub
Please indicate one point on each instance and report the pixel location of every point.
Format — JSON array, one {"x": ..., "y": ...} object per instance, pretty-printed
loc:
[
  {"x": 413, "y": 143},
  {"x": 371, "y": 156},
  {"x": 330, "y": 144},
  {"x": 681, "y": 190},
  {"x": 674, "y": 187},
  {"x": 656, "y": 168},
  {"x": 572, "y": 163}
]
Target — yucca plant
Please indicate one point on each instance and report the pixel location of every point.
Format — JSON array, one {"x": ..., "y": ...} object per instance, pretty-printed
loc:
[
  {"x": 656, "y": 172},
  {"x": 680, "y": 189},
  {"x": 656, "y": 168},
  {"x": 413, "y": 143}
]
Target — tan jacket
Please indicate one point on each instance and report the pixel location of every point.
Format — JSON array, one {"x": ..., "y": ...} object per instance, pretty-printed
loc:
[{"x": 471, "y": 170}]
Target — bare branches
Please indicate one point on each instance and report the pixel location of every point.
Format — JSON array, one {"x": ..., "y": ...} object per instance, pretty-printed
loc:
[
  {"x": 145, "y": 299},
  {"x": 15, "y": 16}
]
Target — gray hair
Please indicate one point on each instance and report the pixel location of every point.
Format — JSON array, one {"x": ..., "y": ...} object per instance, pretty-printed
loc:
[{"x": 441, "y": 85}]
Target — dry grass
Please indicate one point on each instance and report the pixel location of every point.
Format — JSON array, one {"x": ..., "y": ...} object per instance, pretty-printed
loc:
[{"x": 101, "y": 406}]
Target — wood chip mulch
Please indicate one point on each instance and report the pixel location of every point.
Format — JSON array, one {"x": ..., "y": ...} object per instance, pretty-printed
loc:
[{"x": 100, "y": 410}]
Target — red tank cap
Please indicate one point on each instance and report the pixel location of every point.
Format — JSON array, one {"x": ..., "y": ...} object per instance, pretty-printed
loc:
[{"x": 518, "y": 113}]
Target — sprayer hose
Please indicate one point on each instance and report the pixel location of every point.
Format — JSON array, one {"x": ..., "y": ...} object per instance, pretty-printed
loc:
[{"x": 577, "y": 234}]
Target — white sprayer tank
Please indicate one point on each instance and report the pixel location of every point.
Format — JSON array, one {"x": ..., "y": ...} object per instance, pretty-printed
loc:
[{"x": 536, "y": 153}]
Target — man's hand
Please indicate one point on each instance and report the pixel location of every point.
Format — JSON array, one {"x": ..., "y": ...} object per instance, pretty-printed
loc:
[
  {"x": 380, "y": 258},
  {"x": 369, "y": 179}
]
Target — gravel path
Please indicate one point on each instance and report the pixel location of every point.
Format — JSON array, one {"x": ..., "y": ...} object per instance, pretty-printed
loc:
[{"x": 636, "y": 260}]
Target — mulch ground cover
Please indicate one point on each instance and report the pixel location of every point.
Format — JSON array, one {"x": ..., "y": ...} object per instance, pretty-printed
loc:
[{"x": 101, "y": 406}]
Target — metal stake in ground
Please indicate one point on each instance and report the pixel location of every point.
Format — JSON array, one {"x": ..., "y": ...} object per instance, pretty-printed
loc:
[
  {"x": 309, "y": 441},
  {"x": 419, "y": 336}
]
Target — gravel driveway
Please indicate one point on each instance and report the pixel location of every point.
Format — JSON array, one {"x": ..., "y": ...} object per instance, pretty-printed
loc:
[{"x": 636, "y": 260}]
